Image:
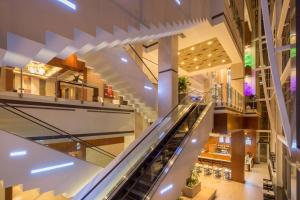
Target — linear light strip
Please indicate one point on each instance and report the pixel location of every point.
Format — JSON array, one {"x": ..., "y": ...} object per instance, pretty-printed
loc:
[
  {"x": 18, "y": 153},
  {"x": 68, "y": 3},
  {"x": 34, "y": 171},
  {"x": 147, "y": 87},
  {"x": 169, "y": 187}
]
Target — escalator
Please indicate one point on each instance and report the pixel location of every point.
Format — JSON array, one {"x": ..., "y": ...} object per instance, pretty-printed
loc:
[
  {"x": 146, "y": 165},
  {"x": 141, "y": 181}
]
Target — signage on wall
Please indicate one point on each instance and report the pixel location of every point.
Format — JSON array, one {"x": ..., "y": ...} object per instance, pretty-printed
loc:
[
  {"x": 248, "y": 141},
  {"x": 108, "y": 91}
]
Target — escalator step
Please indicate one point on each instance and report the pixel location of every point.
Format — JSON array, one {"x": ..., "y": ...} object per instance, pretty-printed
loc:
[
  {"x": 145, "y": 183},
  {"x": 141, "y": 187},
  {"x": 137, "y": 194},
  {"x": 131, "y": 196}
]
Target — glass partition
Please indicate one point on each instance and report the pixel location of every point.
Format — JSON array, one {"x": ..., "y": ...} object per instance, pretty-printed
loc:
[
  {"x": 228, "y": 96},
  {"x": 16, "y": 122}
]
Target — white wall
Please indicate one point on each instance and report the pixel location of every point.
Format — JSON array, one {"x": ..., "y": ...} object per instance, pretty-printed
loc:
[{"x": 17, "y": 170}]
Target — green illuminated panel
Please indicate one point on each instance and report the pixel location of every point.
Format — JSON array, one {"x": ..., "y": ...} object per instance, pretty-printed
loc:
[
  {"x": 248, "y": 59},
  {"x": 293, "y": 52}
]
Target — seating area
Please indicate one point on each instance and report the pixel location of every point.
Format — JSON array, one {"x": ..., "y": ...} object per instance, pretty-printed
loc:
[
  {"x": 213, "y": 170},
  {"x": 268, "y": 190}
]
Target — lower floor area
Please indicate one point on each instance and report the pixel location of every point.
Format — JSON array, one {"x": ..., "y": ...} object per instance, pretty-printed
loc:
[{"x": 231, "y": 190}]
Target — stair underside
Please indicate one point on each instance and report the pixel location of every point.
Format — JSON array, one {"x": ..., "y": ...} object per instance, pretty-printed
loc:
[{"x": 20, "y": 50}]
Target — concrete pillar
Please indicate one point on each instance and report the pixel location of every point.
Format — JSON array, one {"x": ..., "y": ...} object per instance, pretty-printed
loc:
[{"x": 168, "y": 74}]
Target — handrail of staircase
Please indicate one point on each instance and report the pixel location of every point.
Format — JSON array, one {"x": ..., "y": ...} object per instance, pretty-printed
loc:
[
  {"x": 53, "y": 129},
  {"x": 141, "y": 59}
]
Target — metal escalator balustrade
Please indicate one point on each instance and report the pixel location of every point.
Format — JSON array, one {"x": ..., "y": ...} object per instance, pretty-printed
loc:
[
  {"x": 158, "y": 144},
  {"x": 142, "y": 180},
  {"x": 20, "y": 123}
]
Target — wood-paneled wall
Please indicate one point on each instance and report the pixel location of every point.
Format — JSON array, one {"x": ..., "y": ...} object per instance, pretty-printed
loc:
[{"x": 238, "y": 156}]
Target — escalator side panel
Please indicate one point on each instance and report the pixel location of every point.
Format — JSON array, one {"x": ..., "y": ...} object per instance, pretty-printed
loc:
[{"x": 170, "y": 185}]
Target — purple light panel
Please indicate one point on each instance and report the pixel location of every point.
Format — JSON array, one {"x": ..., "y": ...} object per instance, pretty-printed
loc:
[
  {"x": 249, "y": 86},
  {"x": 293, "y": 81}
]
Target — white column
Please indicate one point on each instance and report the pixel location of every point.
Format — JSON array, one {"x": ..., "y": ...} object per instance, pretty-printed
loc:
[
  {"x": 168, "y": 75},
  {"x": 275, "y": 74}
]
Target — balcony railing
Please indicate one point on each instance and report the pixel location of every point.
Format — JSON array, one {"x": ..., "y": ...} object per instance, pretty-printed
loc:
[{"x": 226, "y": 96}]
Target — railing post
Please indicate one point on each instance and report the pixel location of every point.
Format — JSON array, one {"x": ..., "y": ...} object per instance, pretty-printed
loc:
[{"x": 21, "y": 89}]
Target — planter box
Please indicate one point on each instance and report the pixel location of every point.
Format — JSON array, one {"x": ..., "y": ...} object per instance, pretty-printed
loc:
[
  {"x": 181, "y": 96},
  {"x": 192, "y": 192}
]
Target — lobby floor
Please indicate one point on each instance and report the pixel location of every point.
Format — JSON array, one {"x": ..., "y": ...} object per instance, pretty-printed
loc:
[{"x": 229, "y": 190}]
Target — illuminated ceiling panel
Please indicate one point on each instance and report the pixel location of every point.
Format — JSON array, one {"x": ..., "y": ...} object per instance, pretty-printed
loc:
[{"x": 203, "y": 55}]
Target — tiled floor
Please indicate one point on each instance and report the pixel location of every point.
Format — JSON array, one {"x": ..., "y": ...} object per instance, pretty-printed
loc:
[{"x": 229, "y": 190}]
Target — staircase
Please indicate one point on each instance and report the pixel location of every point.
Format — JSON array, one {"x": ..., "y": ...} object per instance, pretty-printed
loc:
[
  {"x": 20, "y": 50},
  {"x": 56, "y": 30},
  {"x": 126, "y": 77},
  {"x": 17, "y": 192}
]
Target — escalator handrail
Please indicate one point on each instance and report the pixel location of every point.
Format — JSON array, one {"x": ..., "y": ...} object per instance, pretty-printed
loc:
[
  {"x": 175, "y": 156},
  {"x": 53, "y": 127},
  {"x": 131, "y": 150},
  {"x": 149, "y": 152}
]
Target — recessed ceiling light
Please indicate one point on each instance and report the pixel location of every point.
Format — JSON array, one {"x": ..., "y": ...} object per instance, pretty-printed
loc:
[
  {"x": 147, "y": 87},
  {"x": 209, "y": 43},
  {"x": 195, "y": 59},
  {"x": 209, "y": 55},
  {"x": 223, "y": 61},
  {"x": 18, "y": 153},
  {"x": 197, "y": 67},
  {"x": 178, "y": 53},
  {"x": 209, "y": 64},
  {"x": 193, "y": 48},
  {"x": 178, "y": 2},
  {"x": 68, "y": 3},
  {"x": 182, "y": 63},
  {"x": 124, "y": 60}
]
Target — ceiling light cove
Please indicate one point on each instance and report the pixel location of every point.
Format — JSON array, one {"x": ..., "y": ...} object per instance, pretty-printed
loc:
[{"x": 68, "y": 3}]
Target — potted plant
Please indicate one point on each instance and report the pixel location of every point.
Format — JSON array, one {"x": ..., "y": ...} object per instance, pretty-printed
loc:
[
  {"x": 183, "y": 84},
  {"x": 193, "y": 185}
]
